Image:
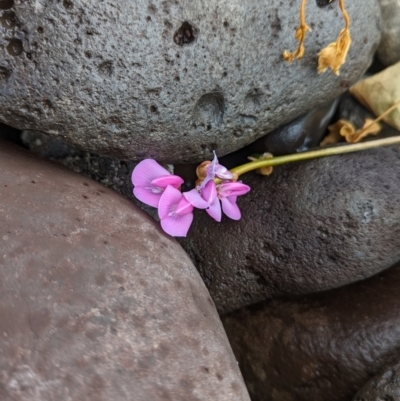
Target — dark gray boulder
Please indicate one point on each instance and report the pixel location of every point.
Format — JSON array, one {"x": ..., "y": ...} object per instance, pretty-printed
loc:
[
  {"x": 169, "y": 80},
  {"x": 321, "y": 347},
  {"x": 308, "y": 227},
  {"x": 383, "y": 387}
]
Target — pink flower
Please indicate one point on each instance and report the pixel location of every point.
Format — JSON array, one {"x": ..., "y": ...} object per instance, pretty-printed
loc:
[
  {"x": 228, "y": 193},
  {"x": 215, "y": 170},
  {"x": 150, "y": 181},
  {"x": 210, "y": 196},
  {"x": 175, "y": 212}
]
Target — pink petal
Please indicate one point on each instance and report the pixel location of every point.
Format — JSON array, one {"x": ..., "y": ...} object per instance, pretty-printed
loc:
[
  {"x": 168, "y": 201},
  {"x": 215, "y": 210},
  {"x": 184, "y": 207},
  {"x": 210, "y": 172},
  {"x": 146, "y": 171},
  {"x": 209, "y": 192},
  {"x": 163, "y": 181},
  {"x": 223, "y": 173},
  {"x": 147, "y": 196},
  {"x": 196, "y": 199},
  {"x": 211, "y": 168},
  {"x": 232, "y": 189},
  {"x": 230, "y": 208},
  {"x": 177, "y": 225}
]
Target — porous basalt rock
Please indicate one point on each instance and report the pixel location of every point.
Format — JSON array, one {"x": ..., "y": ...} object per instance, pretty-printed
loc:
[
  {"x": 322, "y": 347},
  {"x": 97, "y": 303},
  {"x": 169, "y": 80},
  {"x": 308, "y": 227}
]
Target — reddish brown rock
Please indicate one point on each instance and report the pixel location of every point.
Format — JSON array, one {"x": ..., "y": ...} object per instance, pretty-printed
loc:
[
  {"x": 321, "y": 347},
  {"x": 97, "y": 304}
]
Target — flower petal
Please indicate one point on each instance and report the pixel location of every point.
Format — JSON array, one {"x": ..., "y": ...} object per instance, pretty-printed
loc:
[
  {"x": 230, "y": 208},
  {"x": 177, "y": 225},
  {"x": 232, "y": 189},
  {"x": 215, "y": 210},
  {"x": 195, "y": 198},
  {"x": 146, "y": 171},
  {"x": 169, "y": 201},
  {"x": 209, "y": 192},
  {"x": 223, "y": 173},
  {"x": 212, "y": 167},
  {"x": 184, "y": 207},
  {"x": 165, "y": 180},
  {"x": 147, "y": 196}
]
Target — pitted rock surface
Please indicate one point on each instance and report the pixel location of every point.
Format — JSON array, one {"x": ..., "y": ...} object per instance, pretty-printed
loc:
[
  {"x": 321, "y": 347},
  {"x": 96, "y": 302},
  {"x": 308, "y": 227},
  {"x": 385, "y": 386},
  {"x": 170, "y": 80}
]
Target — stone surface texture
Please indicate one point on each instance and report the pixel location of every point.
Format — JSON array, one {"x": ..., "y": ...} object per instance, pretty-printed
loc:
[
  {"x": 308, "y": 227},
  {"x": 383, "y": 387},
  {"x": 389, "y": 47},
  {"x": 170, "y": 80},
  {"x": 321, "y": 347},
  {"x": 96, "y": 302}
]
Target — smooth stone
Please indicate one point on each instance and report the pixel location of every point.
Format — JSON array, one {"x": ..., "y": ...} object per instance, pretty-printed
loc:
[
  {"x": 96, "y": 302},
  {"x": 383, "y": 387},
  {"x": 175, "y": 80},
  {"x": 389, "y": 48},
  {"x": 321, "y": 347},
  {"x": 308, "y": 227}
]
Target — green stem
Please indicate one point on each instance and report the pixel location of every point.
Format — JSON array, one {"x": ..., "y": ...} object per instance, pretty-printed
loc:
[{"x": 337, "y": 150}]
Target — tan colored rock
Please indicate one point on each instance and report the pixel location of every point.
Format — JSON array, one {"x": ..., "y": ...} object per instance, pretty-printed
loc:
[{"x": 97, "y": 304}]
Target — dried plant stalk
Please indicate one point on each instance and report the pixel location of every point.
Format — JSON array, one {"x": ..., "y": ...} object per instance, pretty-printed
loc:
[{"x": 300, "y": 35}]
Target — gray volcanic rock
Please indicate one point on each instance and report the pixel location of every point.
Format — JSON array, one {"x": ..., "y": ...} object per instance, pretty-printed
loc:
[
  {"x": 321, "y": 347},
  {"x": 308, "y": 227},
  {"x": 385, "y": 386},
  {"x": 169, "y": 80},
  {"x": 389, "y": 47},
  {"x": 96, "y": 302}
]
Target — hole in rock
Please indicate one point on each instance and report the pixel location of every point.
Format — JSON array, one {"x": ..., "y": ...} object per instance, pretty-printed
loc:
[
  {"x": 4, "y": 73},
  {"x": 324, "y": 3},
  {"x": 6, "y": 4},
  {"x": 68, "y": 4},
  {"x": 209, "y": 109},
  {"x": 8, "y": 20},
  {"x": 14, "y": 48},
  {"x": 185, "y": 34}
]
